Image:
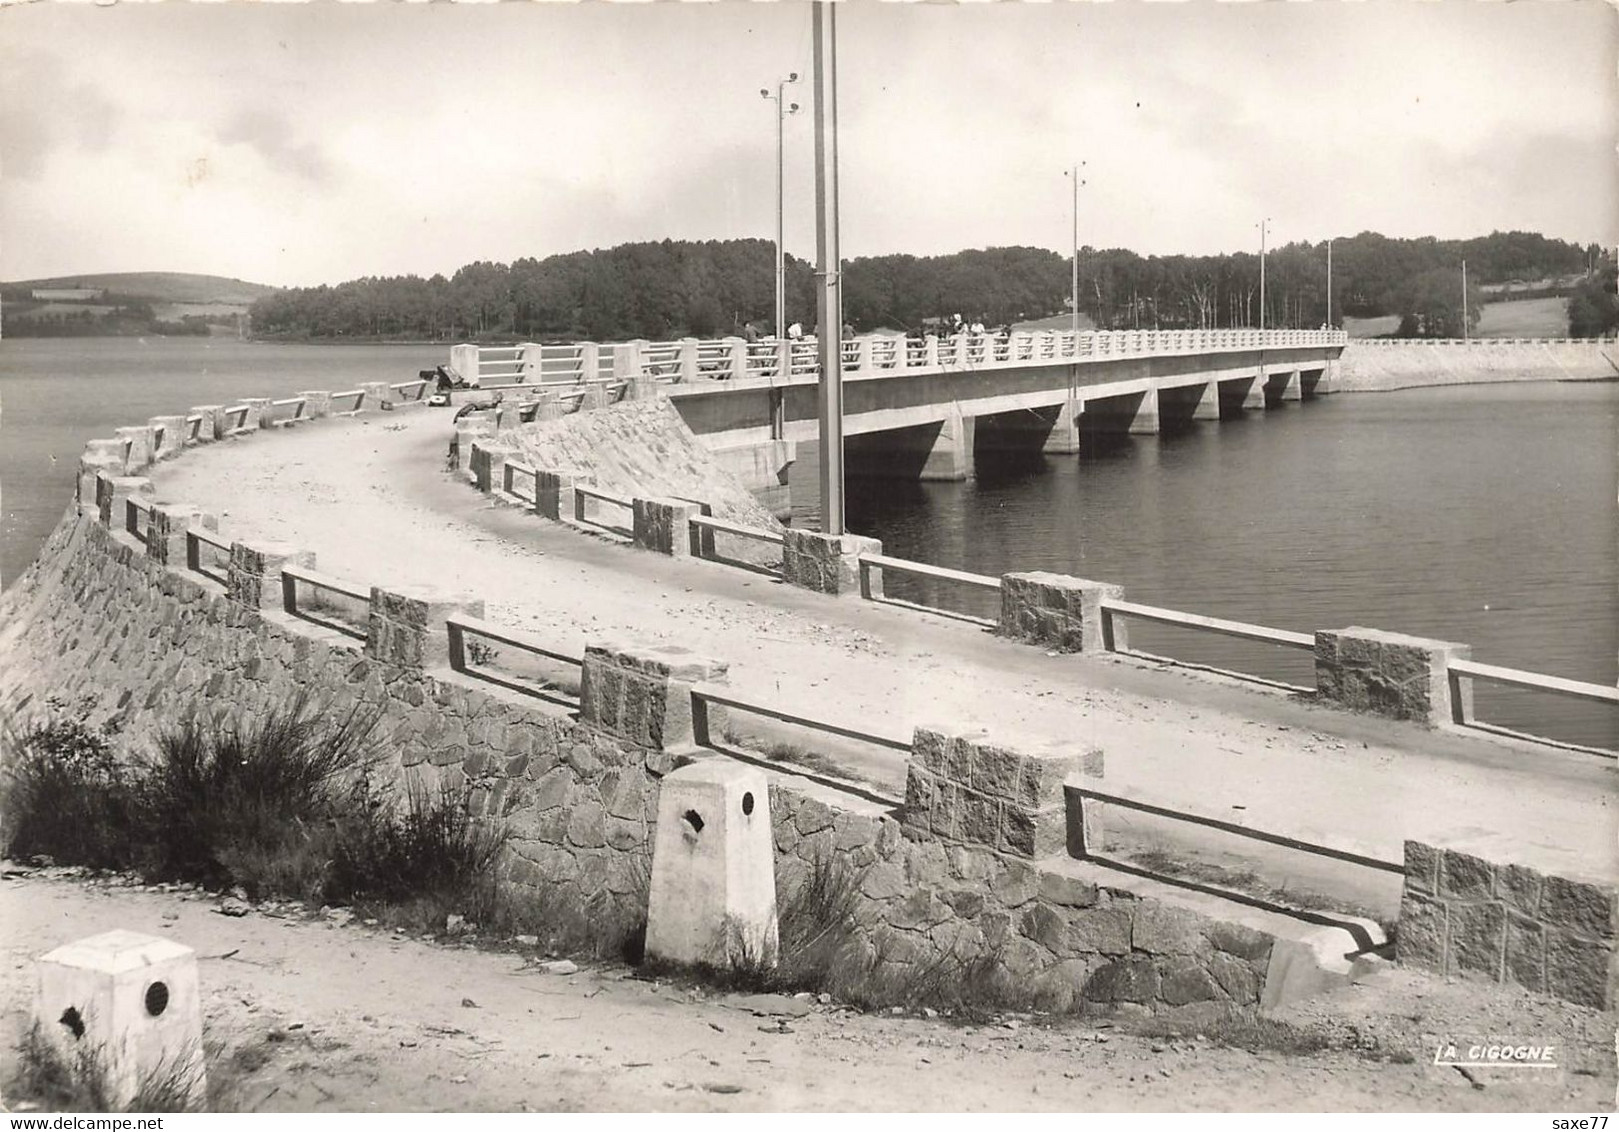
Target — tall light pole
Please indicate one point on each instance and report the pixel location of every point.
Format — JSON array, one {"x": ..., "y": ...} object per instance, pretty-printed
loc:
[
  {"x": 828, "y": 267},
  {"x": 1074, "y": 281},
  {"x": 1464, "y": 300},
  {"x": 1329, "y": 284},
  {"x": 783, "y": 108},
  {"x": 1263, "y": 225}
]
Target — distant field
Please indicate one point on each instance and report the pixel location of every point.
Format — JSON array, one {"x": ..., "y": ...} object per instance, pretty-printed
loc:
[
  {"x": 161, "y": 286},
  {"x": 173, "y": 312},
  {"x": 1519, "y": 318},
  {"x": 1525, "y": 318}
]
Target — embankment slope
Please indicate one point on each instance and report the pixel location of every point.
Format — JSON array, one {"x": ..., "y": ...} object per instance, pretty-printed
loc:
[{"x": 1376, "y": 366}]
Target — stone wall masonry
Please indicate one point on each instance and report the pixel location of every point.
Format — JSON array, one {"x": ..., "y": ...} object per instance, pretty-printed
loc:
[
  {"x": 96, "y": 616},
  {"x": 1389, "y": 674},
  {"x": 827, "y": 564},
  {"x": 254, "y": 572},
  {"x": 968, "y": 789},
  {"x": 407, "y": 626},
  {"x": 1463, "y": 915},
  {"x": 113, "y": 494},
  {"x": 641, "y": 695},
  {"x": 1057, "y": 612},
  {"x": 664, "y": 525}
]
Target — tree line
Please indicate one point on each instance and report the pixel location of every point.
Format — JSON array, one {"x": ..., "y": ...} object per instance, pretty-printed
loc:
[{"x": 674, "y": 288}]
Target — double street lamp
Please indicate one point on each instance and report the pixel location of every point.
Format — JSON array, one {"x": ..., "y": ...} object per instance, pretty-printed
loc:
[{"x": 783, "y": 108}]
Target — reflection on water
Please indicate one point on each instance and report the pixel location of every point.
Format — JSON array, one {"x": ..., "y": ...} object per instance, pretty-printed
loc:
[{"x": 1480, "y": 514}]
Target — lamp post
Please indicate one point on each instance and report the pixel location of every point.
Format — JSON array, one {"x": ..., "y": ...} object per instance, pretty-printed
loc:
[
  {"x": 828, "y": 267},
  {"x": 783, "y": 108},
  {"x": 1263, "y": 226},
  {"x": 1074, "y": 275},
  {"x": 1464, "y": 300},
  {"x": 1329, "y": 284}
]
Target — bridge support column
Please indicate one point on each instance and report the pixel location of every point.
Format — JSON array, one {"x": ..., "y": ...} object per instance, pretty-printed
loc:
[
  {"x": 937, "y": 452},
  {"x": 1247, "y": 393},
  {"x": 1281, "y": 386},
  {"x": 1207, "y": 407},
  {"x": 1293, "y": 387},
  {"x": 1135, "y": 414},
  {"x": 1049, "y": 429}
]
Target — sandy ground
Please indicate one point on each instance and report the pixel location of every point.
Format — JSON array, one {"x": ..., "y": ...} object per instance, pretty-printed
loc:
[
  {"x": 310, "y": 1015},
  {"x": 371, "y": 497}
]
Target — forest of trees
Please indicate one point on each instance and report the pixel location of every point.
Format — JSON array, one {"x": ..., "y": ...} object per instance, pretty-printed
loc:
[{"x": 673, "y": 288}]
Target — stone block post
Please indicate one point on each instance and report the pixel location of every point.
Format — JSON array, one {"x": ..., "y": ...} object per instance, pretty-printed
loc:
[
  {"x": 553, "y": 491},
  {"x": 317, "y": 403},
  {"x": 966, "y": 788},
  {"x": 1464, "y": 915},
  {"x": 407, "y": 626},
  {"x": 930, "y": 351},
  {"x": 253, "y": 577},
  {"x": 1055, "y": 611},
  {"x": 260, "y": 412},
  {"x": 489, "y": 464},
  {"x": 166, "y": 531},
  {"x": 213, "y": 422},
  {"x": 863, "y": 361},
  {"x": 664, "y": 525},
  {"x": 168, "y": 436},
  {"x": 595, "y": 397},
  {"x": 469, "y": 430},
  {"x": 137, "y": 441},
  {"x": 113, "y": 494},
  {"x": 828, "y": 564},
  {"x": 92, "y": 466},
  {"x": 1391, "y": 674},
  {"x": 464, "y": 362},
  {"x": 642, "y": 696}
]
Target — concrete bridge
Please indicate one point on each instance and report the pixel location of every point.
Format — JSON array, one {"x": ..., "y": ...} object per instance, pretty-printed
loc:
[{"x": 921, "y": 408}]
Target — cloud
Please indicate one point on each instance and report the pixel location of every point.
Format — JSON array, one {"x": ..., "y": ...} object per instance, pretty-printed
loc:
[
  {"x": 272, "y": 137},
  {"x": 43, "y": 111}
]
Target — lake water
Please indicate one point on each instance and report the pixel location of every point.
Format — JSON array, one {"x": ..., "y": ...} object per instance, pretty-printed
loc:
[
  {"x": 56, "y": 393},
  {"x": 1483, "y": 514}
]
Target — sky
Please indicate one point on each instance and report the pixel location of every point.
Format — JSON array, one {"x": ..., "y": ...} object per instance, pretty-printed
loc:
[{"x": 306, "y": 143}]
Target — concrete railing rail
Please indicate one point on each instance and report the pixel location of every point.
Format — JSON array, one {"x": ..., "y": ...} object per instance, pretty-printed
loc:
[
  {"x": 1091, "y": 842},
  {"x": 1286, "y": 638},
  {"x": 690, "y": 359}
]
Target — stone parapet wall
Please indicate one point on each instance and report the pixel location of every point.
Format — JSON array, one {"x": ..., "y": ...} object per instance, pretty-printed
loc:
[
  {"x": 1389, "y": 673},
  {"x": 96, "y": 616},
  {"x": 1057, "y": 612},
  {"x": 1463, "y": 915}
]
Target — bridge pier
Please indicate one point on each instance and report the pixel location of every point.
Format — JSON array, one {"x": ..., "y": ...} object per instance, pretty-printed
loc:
[
  {"x": 1313, "y": 383},
  {"x": 1134, "y": 414},
  {"x": 1282, "y": 386},
  {"x": 1180, "y": 405},
  {"x": 941, "y": 451},
  {"x": 1049, "y": 429}
]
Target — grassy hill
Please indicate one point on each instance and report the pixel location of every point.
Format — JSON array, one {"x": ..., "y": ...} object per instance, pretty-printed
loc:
[
  {"x": 160, "y": 286},
  {"x": 1516, "y": 318}
]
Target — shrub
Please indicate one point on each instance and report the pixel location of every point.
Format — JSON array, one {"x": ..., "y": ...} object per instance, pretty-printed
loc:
[
  {"x": 65, "y": 794},
  {"x": 224, "y": 797},
  {"x": 430, "y": 853}
]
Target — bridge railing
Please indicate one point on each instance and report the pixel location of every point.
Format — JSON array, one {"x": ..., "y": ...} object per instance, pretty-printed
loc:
[{"x": 691, "y": 359}]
